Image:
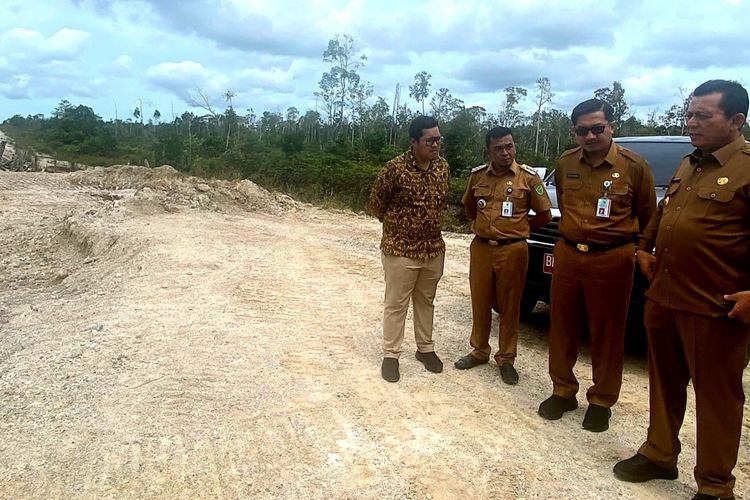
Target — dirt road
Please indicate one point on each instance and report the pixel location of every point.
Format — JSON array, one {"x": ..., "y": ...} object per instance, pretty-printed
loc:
[{"x": 169, "y": 337}]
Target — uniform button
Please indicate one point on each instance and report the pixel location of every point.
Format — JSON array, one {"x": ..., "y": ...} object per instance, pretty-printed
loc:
[
  {"x": 669, "y": 227},
  {"x": 678, "y": 208},
  {"x": 699, "y": 169},
  {"x": 666, "y": 271},
  {"x": 689, "y": 188},
  {"x": 586, "y": 220},
  {"x": 713, "y": 195}
]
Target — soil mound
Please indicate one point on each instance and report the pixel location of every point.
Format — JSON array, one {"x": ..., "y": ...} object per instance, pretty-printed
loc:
[{"x": 168, "y": 187}]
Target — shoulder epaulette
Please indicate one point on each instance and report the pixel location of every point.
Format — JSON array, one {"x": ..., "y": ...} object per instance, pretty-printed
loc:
[
  {"x": 570, "y": 152},
  {"x": 480, "y": 167},
  {"x": 632, "y": 155},
  {"x": 528, "y": 169},
  {"x": 747, "y": 149}
]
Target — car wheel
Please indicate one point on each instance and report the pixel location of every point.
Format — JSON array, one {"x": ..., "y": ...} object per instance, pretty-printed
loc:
[{"x": 528, "y": 304}]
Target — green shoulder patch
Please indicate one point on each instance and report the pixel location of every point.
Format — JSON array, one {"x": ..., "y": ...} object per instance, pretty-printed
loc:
[{"x": 539, "y": 189}]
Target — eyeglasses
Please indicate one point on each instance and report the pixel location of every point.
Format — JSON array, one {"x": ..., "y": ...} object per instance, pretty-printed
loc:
[
  {"x": 503, "y": 147},
  {"x": 433, "y": 140},
  {"x": 595, "y": 129}
]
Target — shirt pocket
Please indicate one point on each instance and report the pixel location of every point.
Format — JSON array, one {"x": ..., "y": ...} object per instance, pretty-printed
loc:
[
  {"x": 622, "y": 195},
  {"x": 520, "y": 199},
  {"x": 485, "y": 199},
  {"x": 483, "y": 193},
  {"x": 571, "y": 192},
  {"x": 620, "y": 189},
  {"x": 714, "y": 202}
]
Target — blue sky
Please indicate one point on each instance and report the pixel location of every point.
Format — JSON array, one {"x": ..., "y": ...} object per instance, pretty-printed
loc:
[{"x": 114, "y": 54}]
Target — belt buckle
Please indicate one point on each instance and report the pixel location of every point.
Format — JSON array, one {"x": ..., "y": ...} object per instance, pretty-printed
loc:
[
  {"x": 582, "y": 247},
  {"x": 492, "y": 243}
]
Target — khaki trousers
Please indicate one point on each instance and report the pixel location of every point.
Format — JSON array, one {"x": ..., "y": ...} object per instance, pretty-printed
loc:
[
  {"x": 710, "y": 351},
  {"x": 406, "y": 279},
  {"x": 497, "y": 275},
  {"x": 593, "y": 287}
]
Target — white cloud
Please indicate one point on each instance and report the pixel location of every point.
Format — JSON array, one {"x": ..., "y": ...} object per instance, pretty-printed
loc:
[
  {"x": 123, "y": 61},
  {"x": 67, "y": 40},
  {"x": 177, "y": 72},
  {"x": 270, "y": 53},
  {"x": 24, "y": 44}
]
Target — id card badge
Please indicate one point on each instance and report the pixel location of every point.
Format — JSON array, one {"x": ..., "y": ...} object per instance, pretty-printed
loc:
[
  {"x": 507, "y": 209},
  {"x": 603, "y": 206}
]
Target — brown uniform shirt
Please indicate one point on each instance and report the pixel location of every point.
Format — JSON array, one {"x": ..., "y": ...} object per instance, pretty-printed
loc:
[
  {"x": 702, "y": 232},
  {"x": 409, "y": 202},
  {"x": 579, "y": 186},
  {"x": 491, "y": 187}
]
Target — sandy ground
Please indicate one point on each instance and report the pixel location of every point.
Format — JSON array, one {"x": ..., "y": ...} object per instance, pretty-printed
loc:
[{"x": 168, "y": 337}]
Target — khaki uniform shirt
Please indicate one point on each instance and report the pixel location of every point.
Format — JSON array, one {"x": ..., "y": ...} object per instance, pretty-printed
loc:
[
  {"x": 579, "y": 186},
  {"x": 702, "y": 232},
  {"x": 409, "y": 202},
  {"x": 488, "y": 188}
]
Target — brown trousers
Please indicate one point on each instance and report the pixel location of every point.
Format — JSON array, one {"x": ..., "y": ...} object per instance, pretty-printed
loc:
[
  {"x": 406, "y": 279},
  {"x": 496, "y": 276},
  {"x": 710, "y": 351},
  {"x": 593, "y": 287}
]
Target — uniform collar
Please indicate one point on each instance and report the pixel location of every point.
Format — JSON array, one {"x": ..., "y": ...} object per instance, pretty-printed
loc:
[
  {"x": 611, "y": 157},
  {"x": 513, "y": 168},
  {"x": 723, "y": 154}
]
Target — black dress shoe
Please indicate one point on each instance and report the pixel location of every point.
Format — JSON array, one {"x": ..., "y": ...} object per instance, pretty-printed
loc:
[
  {"x": 508, "y": 374},
  {"x": 389, "y": 370},
  {"x": 554, "y": 406},
  {"x": 638, "y": 469},
  {"x": 467, "y": 362},
  {"x": 597, "y": 418},
  {"x": 430, "y": 361},
  {"x": 703, "y": 496}
]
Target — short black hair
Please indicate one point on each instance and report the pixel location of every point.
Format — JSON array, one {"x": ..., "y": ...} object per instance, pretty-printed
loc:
[
  {"x": 592, "y": 106},
  {"x": 496, "y": 133},
  {"x": 419, "y": 124},
  {"x": 733, "y": 95}
]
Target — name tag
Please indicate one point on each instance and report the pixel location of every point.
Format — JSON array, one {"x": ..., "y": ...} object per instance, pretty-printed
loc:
[
  {"x": 603, "y": 206},
  {"x": 507, "y": 210}
]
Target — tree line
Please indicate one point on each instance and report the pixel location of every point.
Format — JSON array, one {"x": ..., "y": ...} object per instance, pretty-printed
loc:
[{"x": 329, "y": 154}]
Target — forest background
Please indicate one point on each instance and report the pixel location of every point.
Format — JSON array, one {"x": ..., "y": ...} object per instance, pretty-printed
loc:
[{"x": 330, "y": 155}]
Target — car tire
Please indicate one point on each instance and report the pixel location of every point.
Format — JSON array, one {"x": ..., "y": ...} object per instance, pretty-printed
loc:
[{"x": 528, "y": 304}]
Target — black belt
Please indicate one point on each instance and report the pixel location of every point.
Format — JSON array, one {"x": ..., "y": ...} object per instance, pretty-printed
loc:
[
  {"x": 597, "y": 247},
  {"x": 507, "y": 241}
]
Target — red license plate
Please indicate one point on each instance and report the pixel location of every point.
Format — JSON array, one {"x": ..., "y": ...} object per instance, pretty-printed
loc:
[{"x": 548, "y": 263}]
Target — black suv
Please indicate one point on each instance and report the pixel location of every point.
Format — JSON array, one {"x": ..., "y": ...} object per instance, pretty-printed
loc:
[{"x": 663, "y": 153}]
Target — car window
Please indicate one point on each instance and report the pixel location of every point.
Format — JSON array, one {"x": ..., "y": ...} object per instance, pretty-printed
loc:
[{"x": 664, "y": 157}]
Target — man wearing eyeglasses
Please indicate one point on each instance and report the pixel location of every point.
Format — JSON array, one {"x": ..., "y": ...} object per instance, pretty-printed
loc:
[
  {"x": 606, "y": 198},
  {"x": 697, "y": 311},
  {"x": 408, "y": 197},
  {"x": 497, "y": 201}
]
